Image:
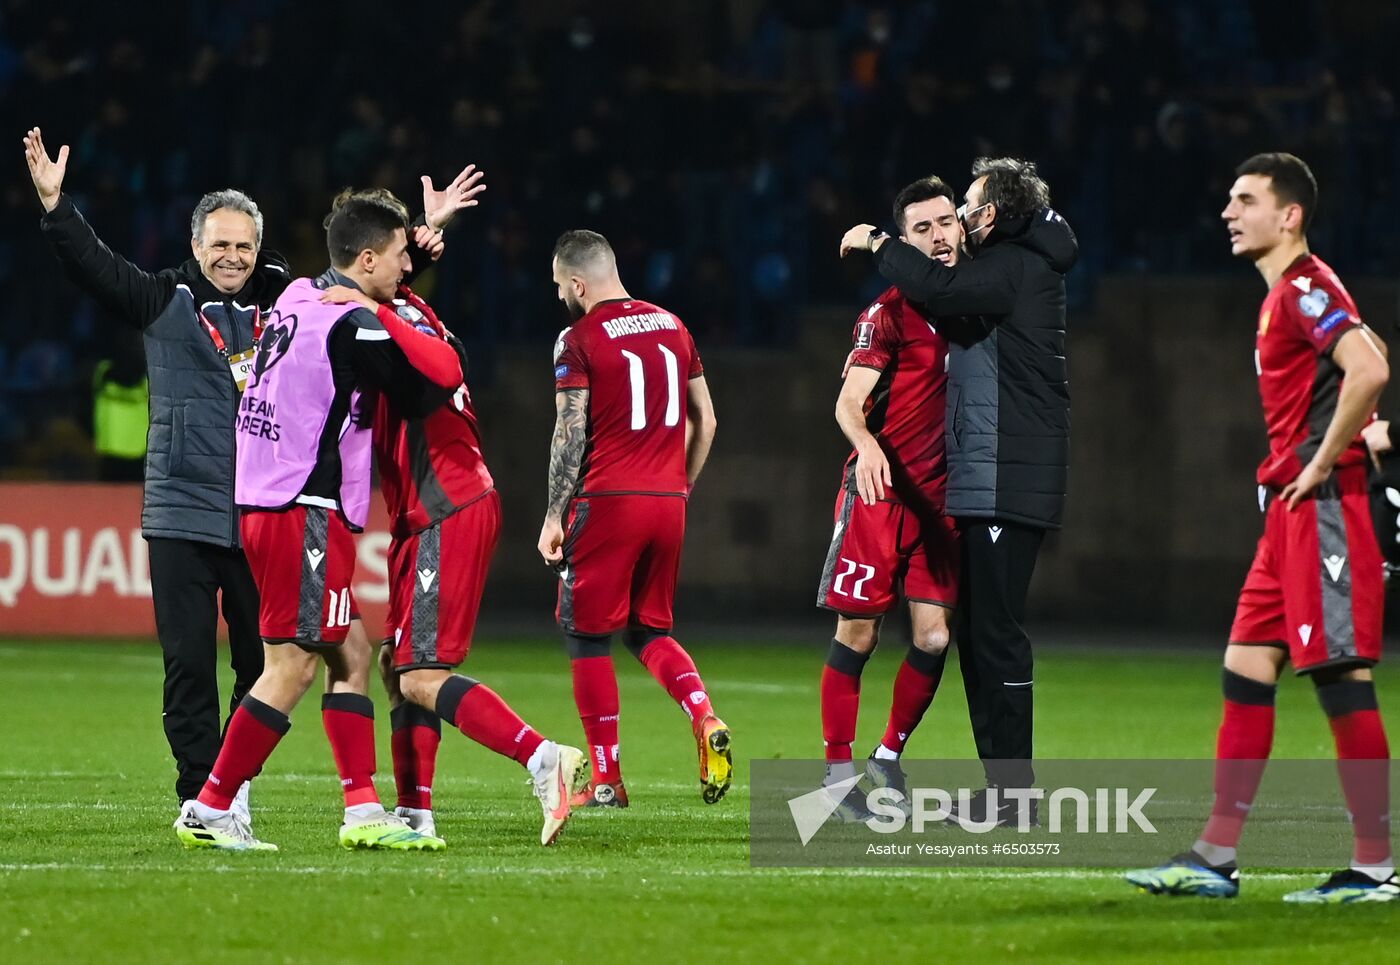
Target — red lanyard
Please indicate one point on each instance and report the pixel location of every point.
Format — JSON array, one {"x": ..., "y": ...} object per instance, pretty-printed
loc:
[{"x": 218, "y": 339}]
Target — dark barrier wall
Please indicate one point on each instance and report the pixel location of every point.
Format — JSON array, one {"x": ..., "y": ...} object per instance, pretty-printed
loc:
[{"x": 1162, "y": 514}]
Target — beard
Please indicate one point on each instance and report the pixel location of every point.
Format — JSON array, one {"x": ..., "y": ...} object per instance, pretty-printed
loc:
[{"x": 574, "y": 307}]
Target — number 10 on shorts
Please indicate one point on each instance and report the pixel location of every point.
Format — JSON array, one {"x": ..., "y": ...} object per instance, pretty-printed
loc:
[
  {"x": 850, "y": 568},
  {"x": 338, "y": 609}
]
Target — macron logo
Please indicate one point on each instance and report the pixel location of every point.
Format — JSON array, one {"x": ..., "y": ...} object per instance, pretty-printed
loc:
[
  {"x": 1303, "y": 284},
  {"x": 809, "y": 811},
  {"x": 314, "y": 557},
  {"x": 1305, "y": 633},
  {"x": 426, "y": 577},
  {"x": 995, "y": 532},
  {"x": 1334, "y": 564}
]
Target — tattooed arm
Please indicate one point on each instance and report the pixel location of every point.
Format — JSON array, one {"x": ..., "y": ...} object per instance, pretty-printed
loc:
[{"x": 565, "y": 462}]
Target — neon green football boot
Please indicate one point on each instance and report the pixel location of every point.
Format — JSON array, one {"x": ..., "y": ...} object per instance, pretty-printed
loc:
[
  {"x": 385, "y": 831},
  {"x": 227, "y": 832}
]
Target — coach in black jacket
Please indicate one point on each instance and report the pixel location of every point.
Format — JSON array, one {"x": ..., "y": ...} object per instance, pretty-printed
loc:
[
  {"x": 1007, "y": 427},
  {"x": 197, "y": 319},
  {"x": 193, "y": 318}
]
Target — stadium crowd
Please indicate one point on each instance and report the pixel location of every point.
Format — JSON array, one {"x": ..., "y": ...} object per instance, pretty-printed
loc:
[{"x": 721, "y": 145}]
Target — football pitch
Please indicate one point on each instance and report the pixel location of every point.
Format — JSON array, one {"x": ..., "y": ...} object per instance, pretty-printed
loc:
[{"x": 90, "y": 870}]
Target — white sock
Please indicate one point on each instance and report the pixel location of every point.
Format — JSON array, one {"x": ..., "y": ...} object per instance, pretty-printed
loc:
[
  {"x": 363, "y": 811},
  {"x": 1380, "y": 872},
  {"x": 883, "y": 753},
  {"x": 206, "y": 814},
  {"x": 543, "y": 759},
  {"x": 837, "y": 771},
  {"x": 1215, "y": 854},
  {"x": 412, "y": 812}
]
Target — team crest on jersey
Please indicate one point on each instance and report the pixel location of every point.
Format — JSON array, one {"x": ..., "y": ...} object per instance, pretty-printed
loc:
[
  {"x": 272, "y": 347},
  {"x": 865, "y": 334},
  {"x": 1314, "y": 303}
]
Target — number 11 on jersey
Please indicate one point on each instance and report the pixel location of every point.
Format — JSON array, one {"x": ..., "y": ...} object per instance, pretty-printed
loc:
[{"x": 638, "y": 380}]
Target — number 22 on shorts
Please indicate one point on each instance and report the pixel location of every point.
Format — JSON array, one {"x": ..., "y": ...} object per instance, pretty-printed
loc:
[{"x": 851, "y": 566}]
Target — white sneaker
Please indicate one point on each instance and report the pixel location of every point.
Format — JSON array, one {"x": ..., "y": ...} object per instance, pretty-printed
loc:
[
  {"x": 240, "y": 805},
  {"x": 199, "y": 827},
  {"x": 419, "y": 819},
  {"x": 558, "y": 777}
]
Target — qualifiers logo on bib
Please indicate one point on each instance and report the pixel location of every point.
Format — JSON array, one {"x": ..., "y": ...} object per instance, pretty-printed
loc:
[{"x": 272, "y": 347}]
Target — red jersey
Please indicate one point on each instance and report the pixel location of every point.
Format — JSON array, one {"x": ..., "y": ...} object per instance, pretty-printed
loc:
[
  {"x": 905, "y": 410},
  {"x": 634, "y": 358},
  {"x": 1302, "y": 317},
  {"x": 428, "y": 449}
]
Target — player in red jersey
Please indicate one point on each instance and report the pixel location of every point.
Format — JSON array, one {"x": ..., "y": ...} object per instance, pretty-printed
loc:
[
  {"x": 444, "y": 520},
  {"x": 634, "y": 427},
  {"x": 1314, "y": 592},
  {"x": 891, "y": 536}
]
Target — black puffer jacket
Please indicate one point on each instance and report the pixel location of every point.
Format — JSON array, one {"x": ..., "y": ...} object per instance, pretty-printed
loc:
[
  {"x": 189, "y": 450},
  {"x": 1008, "y": 389}
]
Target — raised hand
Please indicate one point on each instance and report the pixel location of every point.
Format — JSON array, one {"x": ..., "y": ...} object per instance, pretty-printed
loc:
[
  {"x": 856, "y": 239},
  {"x": 430, "y": 240},
  {"x": 46, "y": 172},
  {"x": 439, "y": 207}
]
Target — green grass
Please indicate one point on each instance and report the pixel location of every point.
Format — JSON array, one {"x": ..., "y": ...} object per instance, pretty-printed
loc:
[{"x": 90, "y": 870}]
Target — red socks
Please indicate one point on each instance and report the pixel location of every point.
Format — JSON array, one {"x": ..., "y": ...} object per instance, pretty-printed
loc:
[
  {"x": 667, "y": 661},
  {"x": 841, "y": 699},
  {"x": 480, "y": 713},
  {"x": 1241, "y": 752},
  {"x": 349, "y": 723},
  {"x": 914, "y": 687},
  {"x": 253, "y": 732},
  {"x": 417, "y": 734},
  {"x": 1363, "y": 763},
  {"x": 595, "y": 694}
]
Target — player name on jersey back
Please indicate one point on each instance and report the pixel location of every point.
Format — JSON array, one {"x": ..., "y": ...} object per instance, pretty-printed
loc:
[{"x": 638, "y": 324}]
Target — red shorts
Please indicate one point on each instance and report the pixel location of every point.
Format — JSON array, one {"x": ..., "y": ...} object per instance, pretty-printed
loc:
[
  {"x": 303, "y": 560},
  {"x": 1317, "y": 582},
  {"x": 877, "y": 551},
  {"x": 622, "y": 557},
  {"x": 436, "y": 578}
]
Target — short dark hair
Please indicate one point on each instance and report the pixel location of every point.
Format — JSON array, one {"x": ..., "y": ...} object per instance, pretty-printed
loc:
[
  {"x": 584, "y": 249},
  {"x": 360, "y": 220},
  {"x": 1290, "y": 178},
  {"x": 924, "y": 189},
  {"x": 1012, "y": 185}
]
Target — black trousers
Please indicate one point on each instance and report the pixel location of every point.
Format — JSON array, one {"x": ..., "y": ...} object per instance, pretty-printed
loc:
[
  {"x": 189, "y": 581},
  {"x": 994, "y": 651}
]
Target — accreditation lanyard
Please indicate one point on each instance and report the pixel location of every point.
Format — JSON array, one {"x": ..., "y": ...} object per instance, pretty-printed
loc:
[{"x": 240, "y": 365}]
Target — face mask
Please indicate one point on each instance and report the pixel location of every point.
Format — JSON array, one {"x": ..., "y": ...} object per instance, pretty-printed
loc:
[{"x": 964, "y": 214}]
